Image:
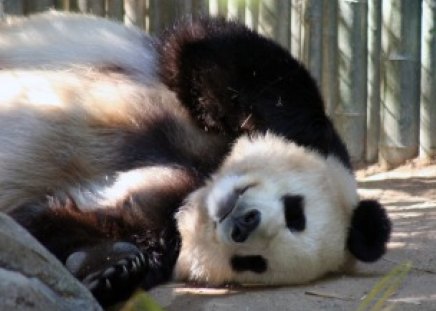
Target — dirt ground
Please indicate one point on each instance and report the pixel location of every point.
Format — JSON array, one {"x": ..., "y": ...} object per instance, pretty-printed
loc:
[{"x": 409, "y": 194}]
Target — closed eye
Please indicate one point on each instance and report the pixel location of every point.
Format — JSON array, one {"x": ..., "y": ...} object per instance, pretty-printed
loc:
[{"x": 293, "y": 208}]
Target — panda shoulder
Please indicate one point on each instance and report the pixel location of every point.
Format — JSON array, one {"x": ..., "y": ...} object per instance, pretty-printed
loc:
[{"x": 55, "y": 40}]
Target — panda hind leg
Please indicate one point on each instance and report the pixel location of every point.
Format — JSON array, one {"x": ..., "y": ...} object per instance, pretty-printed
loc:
[{"x": 100, "y": 248}]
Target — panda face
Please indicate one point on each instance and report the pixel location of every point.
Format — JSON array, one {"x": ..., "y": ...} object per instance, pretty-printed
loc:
[
  {"x": 275, "y": 213},
  {"x": 250, "y": 208}
]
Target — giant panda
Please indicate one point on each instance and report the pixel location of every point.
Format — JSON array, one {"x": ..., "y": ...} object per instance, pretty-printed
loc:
[{"x": 204, "y": 155}]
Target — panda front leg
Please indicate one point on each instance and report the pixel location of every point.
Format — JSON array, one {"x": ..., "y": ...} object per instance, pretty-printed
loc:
[{"x": 108, "y": 250}]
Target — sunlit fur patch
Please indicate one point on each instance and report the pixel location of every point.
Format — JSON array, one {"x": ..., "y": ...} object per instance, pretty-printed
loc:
[
  {"x": 46, "y": 117},
  {"x": 275, "y": 168},
  {"x": 33, "y": 42}
]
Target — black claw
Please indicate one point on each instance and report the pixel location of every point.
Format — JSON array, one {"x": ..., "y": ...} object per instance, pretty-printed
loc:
[
  {"x": 107, "y": 284},
  {"x": 134, "y": 267},
  {"x": 138, "y": 261},
  {"x": 109, "y": 272},
  {"x": 93, "y": 285}
]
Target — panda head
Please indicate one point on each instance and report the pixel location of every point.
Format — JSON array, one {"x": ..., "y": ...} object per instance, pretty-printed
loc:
[{"x": 277, "y": 213}]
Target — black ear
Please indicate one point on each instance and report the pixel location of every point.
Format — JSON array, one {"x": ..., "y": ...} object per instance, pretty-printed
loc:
[{"x": 369, "y": 231}]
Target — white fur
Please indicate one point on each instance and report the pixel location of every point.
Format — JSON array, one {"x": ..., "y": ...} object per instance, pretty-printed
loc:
[
  {"x": 56, "y": 40},
  {"x": 271, "y": 167}
]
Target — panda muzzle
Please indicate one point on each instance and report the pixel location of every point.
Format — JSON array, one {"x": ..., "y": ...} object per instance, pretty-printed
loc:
[{"x": 244, "y": 225}]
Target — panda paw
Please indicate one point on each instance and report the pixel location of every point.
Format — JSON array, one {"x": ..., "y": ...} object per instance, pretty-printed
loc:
[{"x": 111, "y": 271}]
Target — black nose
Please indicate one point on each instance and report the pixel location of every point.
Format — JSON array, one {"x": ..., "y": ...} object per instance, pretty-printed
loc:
[{"x": 244, "y": 225}]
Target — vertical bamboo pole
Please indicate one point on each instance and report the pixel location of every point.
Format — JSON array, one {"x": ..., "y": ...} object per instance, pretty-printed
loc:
[
  {"x": 350, "y": 113},
  {"x": 197, "y": 8},
  {"x": 62, "y": 5},
  {"x": 134, "y": 13},
  {"x": 283, "y": 31},
  {"x": 330, "y": 55},
  {"x": 171, "y": 10},
  {"x": 236, "y": 10},
  {"x": 373, "y": 84},
  {"x": 268, "y": 18},
  {"x": 186, "y": 8},
  {"x": 38, "y": 6},
  {"x": 297, "y": 17},
  {"x": 115, "y": 9},
  {"x": 154, "y": 16},
  {"x": 252, "y": 14},
  {"x": 95, "y": 7},
  {"x": 274, "y": 20},
  {"x": 400, "y": 84},
  {"x": 13, "y": 7},
  {"x": 214, "y": 7},
  {"x": 2, "y": 11},
  {"x": 312, "y": 38},
  {"x": 428, "y": 81},
  {"x": 222, "y": 7},
  {"x": 200, "y": 7}
]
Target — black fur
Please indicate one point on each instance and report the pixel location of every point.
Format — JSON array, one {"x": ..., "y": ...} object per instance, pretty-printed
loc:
[
  {"x": 234, "y": 81},
  {"x": 369, "y": 232},
  {"x": 253, "y": 263},
  {"x": 154, "y": 144},
  {"x": 293, "y": 207}
]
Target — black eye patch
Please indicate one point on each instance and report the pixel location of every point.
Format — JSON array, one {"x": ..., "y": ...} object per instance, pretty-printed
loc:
[
  {"x": 254, "y": 263},
  {"x": 293, "y": 206}
]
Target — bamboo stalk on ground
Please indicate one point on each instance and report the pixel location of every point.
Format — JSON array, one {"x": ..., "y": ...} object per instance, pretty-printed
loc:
[
  {"x": 428, "y": 81},
  {"x": 400, "y": 82}
]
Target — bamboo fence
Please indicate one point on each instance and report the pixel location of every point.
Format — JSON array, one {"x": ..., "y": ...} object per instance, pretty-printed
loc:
[{"x": 374, "y": 60}]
